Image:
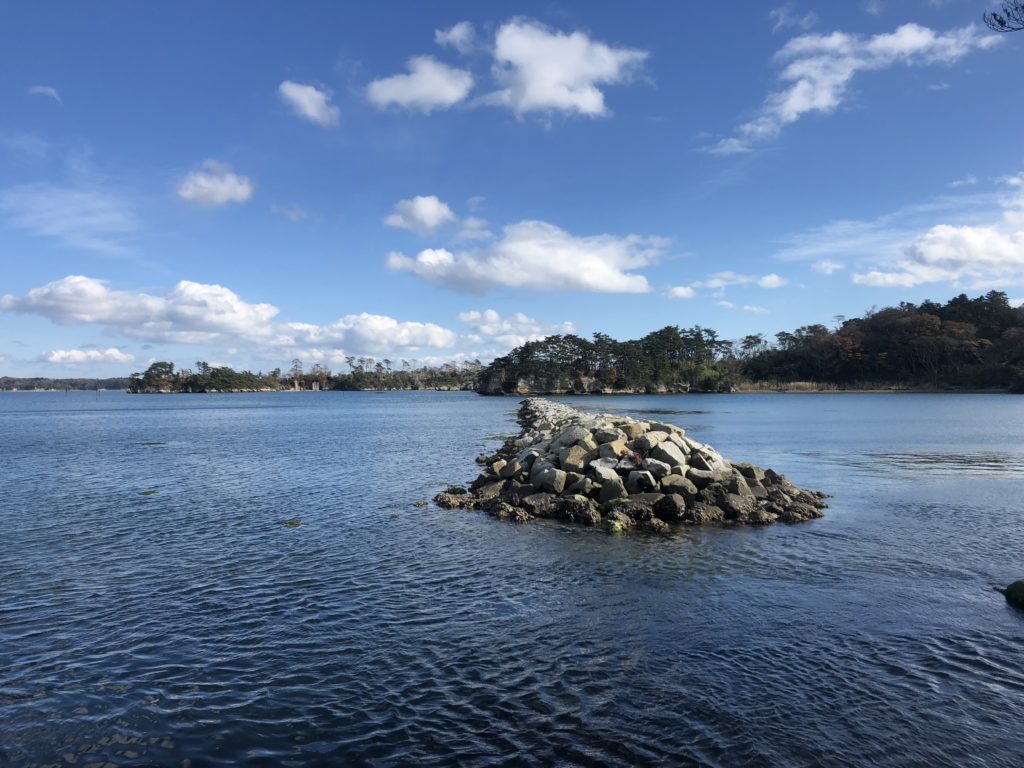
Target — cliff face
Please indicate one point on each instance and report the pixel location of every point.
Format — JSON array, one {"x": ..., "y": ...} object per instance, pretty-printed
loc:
[{"x": 504, "y": 382}]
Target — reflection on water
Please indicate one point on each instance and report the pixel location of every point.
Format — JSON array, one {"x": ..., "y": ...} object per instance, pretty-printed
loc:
[{"x": 192, "y": 625}]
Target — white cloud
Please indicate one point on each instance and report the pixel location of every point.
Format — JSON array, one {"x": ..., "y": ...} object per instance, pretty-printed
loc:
[
  {"x": 84, "y": 216},
  {"x": 968, "y": 181},
  {"x": 508, "y": 332},
  {"x": 827, "y": 266},
  {"x": 429, "y": 85},
  {"x": 46, "y": 90},
  {"x": 540, "y": 256},
  {"x": 943, "y": 86},
  {"x": 215, "y": 184},
  {"x": 724, "y": 279},
  {"x": 680, "y": 292},
  {"x": 874, "y": 7},
  {"x": 772, "y": 281},
  {"x": 422, "y": 214},
  {"x": 371, "y": 333},
  {"x": 80, "y": 356},
  {"x": 474, "y": 228},
  {"x": 981, "y": 255},
  {"x": 543, "y": 70},
  {"x": 309, "y": 102},
  {"x": 752, "y": 308},
  {"x": 191, "y": 312},
  {"x": 785, "y": 16},
  {"x": 726, "y": 304},
  {"x": 459, "y": 36},
  {"x": 198, "y": 313},
  {"x": 817, "y": 70}
]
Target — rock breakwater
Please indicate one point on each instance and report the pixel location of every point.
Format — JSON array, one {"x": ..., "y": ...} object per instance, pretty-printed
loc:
[{"x": 623, "y": 473}]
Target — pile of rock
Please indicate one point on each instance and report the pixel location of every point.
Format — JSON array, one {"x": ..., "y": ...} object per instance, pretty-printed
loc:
[{"x": 623, "y": 473}]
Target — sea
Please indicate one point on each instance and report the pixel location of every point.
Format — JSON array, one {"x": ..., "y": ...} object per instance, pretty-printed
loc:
[{"x": 247, "y": 580}]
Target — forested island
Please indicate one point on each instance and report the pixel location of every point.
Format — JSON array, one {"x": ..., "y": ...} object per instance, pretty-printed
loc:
[
  {"x": 962, "y": 344},
  {"x": 365, "y": 373},
  {"x": 46, "y": 384}
]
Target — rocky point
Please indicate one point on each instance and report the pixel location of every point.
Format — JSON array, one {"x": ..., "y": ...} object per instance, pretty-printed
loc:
[{"x": 623, "y": 473}]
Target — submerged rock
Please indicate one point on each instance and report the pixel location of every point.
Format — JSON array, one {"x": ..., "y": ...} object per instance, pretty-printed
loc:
[
  {"x": 1014, "y": 594},
  {"x": 625, "y": 474}
]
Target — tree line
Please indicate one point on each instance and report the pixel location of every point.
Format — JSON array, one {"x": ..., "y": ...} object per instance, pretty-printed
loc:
[
  {"x": 964, "y": 343},
  {"x": 364, "y": 373},
  {"x": 12, "y": 383}
]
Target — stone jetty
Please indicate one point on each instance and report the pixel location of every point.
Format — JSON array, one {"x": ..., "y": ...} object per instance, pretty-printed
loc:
[{"x": 623, "y": 473}]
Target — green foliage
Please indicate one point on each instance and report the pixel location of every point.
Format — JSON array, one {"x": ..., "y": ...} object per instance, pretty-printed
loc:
[
  {"x": 973, "y": 343},
  {"x": 10, "y": 383}
]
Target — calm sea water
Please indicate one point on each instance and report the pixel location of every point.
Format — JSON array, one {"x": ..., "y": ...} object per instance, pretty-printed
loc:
[{"x": 189, "y": 624}]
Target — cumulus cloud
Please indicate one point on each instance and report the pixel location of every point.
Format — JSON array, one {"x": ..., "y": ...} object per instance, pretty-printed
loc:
[
  {"x": 309, "y": 102},
  {"x": 215, "y": 184},
  {"x": 680, "y": 292},
  {"x": 199, "y": 313},
  {"x": 772, "y": 281},
  {"x": 461, "y": 36},
  {"x": 983, "y": 255},
  {"x": 753, "y": 308},
  {"x": 422, "y": 214},
  {"x": 540, "y": 256},
  {"x": 543, "y": 70},
  {"x": 510, "y": 331},
  {"x": 191, "y": 312},
  {"x": 370, "y": 333},
  {"x": 80, "y": 356},
  {"x": 817, "y": 71},
  {"x": 46, "y": 90},
  {"x": 82, "y": 216},
  {"x": 429, "y": 85}
]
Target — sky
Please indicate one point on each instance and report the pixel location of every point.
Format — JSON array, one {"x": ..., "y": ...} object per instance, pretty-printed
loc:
[{"x": 245, "y": 183}]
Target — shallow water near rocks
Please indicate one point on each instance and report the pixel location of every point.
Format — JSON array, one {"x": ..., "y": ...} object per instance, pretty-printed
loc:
[{"x": 192, "y": 624}]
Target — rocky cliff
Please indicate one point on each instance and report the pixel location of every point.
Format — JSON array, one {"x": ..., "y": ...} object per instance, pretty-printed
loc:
[{"x": 600, "y": 469}]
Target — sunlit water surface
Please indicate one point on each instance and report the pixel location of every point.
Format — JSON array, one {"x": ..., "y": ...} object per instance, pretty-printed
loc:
[{"x": 191, "y": 624}]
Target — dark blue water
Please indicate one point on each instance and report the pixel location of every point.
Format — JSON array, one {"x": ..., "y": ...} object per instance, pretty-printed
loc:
[{"x": 191, "y": 625}]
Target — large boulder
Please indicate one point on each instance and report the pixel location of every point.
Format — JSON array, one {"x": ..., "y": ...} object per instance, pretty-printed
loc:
[
  {"x": 641, "y": 481},
  {"x": 670, "y": 508},
  {"x": 680, "y": 485},
  {"x": 613, "y": 449},
  {"x": 657, "y": 468},
  {"x": 1014, "y": 594},
  {"x": 647, "y": 441},
  {"x": 611, "y": 488},
  {"x": 549, "y": 480},
  {"x": 575, "y": 458},
  {"x": 609, "y": 434},
  {"x": 670, "y": 453},
  {"x": 569, "y": 436}
]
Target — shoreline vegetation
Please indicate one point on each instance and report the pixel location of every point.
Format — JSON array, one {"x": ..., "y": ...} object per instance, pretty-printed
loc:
[{"x": 964, "y": 345}]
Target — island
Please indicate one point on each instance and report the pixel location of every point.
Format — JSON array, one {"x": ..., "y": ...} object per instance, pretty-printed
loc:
[{"x": 623, "y": 474}]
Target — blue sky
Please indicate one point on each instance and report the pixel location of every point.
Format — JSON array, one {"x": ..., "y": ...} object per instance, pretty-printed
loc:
[{"x": 244, "y": 183}]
